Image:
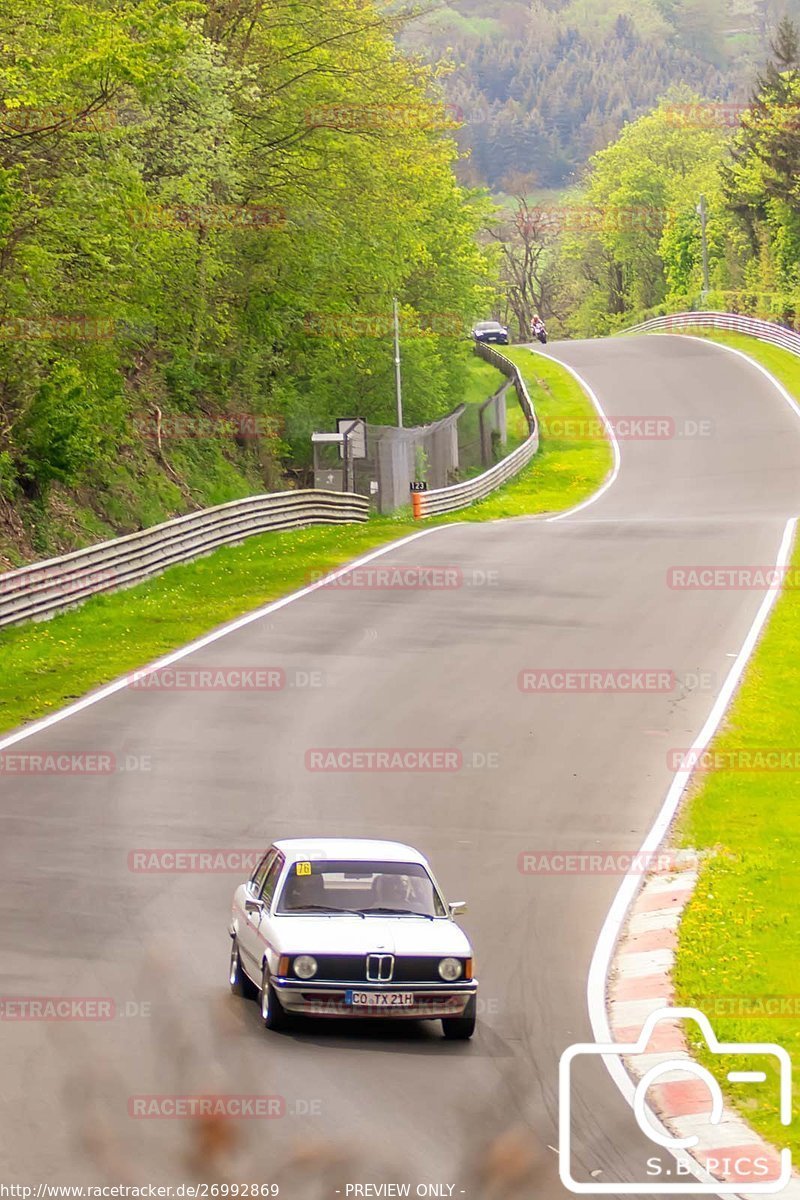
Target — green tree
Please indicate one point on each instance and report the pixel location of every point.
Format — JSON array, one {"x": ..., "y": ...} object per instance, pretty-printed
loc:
[
  {"x": 643, "y": 237},
  {"x": 200, "y": 207}
]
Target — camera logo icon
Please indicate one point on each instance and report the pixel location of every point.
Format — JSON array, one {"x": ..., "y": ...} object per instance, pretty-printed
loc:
[{"x": 707, "y": 1172}]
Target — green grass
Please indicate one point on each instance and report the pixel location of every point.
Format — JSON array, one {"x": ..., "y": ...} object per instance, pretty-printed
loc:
[
  {"x": 516, "y": 424},
  {"x": 129, "y": 493},
  {"x": 566, "y": 470},
  {"x": 541, "y": 197},
  {"x": 46, "y": 665},
  {"x": 740, "y": 936},
  {"x": 483, "y": 380},
  {"x": 459, "y": 25}
]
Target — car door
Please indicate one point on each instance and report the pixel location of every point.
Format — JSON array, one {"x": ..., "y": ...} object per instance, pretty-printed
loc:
[{"x": 249, "y": 941}]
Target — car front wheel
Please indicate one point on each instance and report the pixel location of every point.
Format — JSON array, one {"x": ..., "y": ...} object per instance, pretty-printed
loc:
[
  {"x": 461, "y": 1028},
  {"x": 272, "y": 1012},
  {"x": 240, "y": 984}
]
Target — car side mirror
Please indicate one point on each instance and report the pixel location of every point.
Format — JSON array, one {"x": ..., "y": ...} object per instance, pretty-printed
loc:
[
  {"x": 253, "y": 906},
  {"x": 457, "y": 907}
]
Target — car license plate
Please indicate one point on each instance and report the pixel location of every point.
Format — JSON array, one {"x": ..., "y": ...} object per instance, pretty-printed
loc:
[{"x": 379, "y": 999}]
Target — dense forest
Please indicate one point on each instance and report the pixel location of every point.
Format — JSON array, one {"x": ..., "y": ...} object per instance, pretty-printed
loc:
[
  {"x": 540, "y": 87},
  {"x": 206, "y": 210}
]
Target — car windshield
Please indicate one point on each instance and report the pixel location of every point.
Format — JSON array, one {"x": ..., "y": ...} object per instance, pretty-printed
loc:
[
  {"x": 483, "y": 325},
  {"x": 365, "y": 888}
]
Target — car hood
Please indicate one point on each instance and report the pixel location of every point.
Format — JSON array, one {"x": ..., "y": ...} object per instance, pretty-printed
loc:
[{"x": 354, "y": 935}]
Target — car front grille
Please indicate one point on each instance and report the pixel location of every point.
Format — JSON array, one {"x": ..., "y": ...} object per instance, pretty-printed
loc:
[
  {"x": 341, "y": 967},
  {"x": 380, "y": 968},
  {"x": 417, "y": 970},
  {"x": 349, "y": 968}
]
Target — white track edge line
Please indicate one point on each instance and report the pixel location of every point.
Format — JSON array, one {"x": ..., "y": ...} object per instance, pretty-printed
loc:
[
  {"x": 117, "y": 685},
  {"x": 776, "y": 383},
  {"x": 614, "y": 923},
  {"x": 207, "y": 639},
  {"x": 612, "y": 437}
]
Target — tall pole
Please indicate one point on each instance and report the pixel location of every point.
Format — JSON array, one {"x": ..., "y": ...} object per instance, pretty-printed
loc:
[
  {"x": 348, "y": 464},
  {"x": 701, "y": 208},
  {"x": 397, "y": 376}
]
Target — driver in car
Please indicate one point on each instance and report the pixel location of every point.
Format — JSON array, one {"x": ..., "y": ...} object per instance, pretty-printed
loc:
[
  {"x": 302, "y": 891},
  {"x": 392, "y": 891}
]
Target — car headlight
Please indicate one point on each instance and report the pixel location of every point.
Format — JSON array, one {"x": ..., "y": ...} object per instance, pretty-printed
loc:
[
  {"x": 305, "y": 967},
  {"x": 450, "y": 969}
]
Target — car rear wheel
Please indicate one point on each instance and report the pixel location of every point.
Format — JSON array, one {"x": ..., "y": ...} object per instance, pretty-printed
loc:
[
  {"x": 240, "y": 984},
  {"x": 461, "y": 1028},
  {"x": 273, "y": 1013}
]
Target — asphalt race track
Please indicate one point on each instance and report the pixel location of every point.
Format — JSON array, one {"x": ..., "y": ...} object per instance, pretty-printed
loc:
[{"x": 395, "y": 668}]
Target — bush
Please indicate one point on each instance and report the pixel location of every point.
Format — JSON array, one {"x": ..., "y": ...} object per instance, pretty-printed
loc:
[
  {"x": 59, "y": 434},
  {"x": 8, "y": 477}
]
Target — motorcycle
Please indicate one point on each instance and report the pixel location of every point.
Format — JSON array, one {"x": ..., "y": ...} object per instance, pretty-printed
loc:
[{"x": 538, "y": 330}]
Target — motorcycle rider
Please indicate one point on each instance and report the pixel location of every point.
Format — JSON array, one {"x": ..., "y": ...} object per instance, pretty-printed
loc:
[{"x": 538, "y": 328}]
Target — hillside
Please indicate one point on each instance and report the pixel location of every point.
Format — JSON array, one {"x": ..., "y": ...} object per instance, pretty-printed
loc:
[
  {"x": 200, "y": 245},
  {"x": 540, "y": 87}
]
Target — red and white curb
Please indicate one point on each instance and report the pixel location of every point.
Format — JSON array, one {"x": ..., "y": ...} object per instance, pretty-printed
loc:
[{"x": 640, "y": 984}]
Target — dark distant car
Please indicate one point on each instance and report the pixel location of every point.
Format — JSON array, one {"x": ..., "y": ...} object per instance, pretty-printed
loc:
[{"x": 491, "y": 331}]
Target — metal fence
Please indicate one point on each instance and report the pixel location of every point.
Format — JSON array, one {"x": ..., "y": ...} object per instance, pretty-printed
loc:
[
  {"x": 493, "y": 426},
  {"x": 460, "y": 495},
  {"x": 766, "y": 331},
  {"x": 512, "y": 371},
  {"x": 395, "y": 457},
  {"x": 45, "y": 588}
]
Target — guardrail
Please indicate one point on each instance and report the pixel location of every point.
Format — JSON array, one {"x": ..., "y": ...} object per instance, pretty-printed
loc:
[
  {"x": 460, "y": 495},
  {"x": 512, "y": 371},
  {"x": 766, "y": 331},
  {"x": 45, "y": 588}
]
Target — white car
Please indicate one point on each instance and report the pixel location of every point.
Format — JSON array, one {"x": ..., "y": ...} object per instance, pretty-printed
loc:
[{"x": 331, "y": 927}]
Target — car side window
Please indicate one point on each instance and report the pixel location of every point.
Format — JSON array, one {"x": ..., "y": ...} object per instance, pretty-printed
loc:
[
  {"x": 260, "y": 873},
  {"x": 270, "y": 882}
]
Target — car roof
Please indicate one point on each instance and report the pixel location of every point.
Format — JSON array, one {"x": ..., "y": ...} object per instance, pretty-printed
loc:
[{"x": 356, "y": 849}]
